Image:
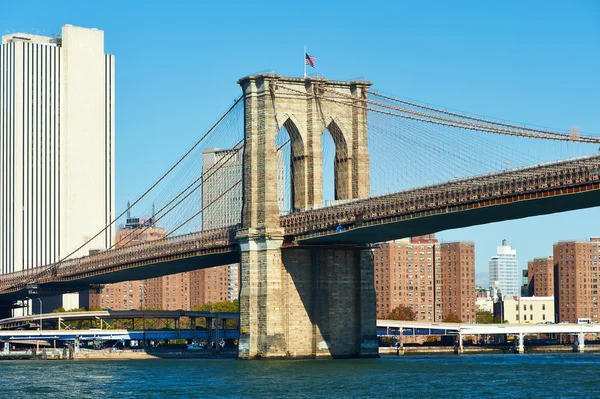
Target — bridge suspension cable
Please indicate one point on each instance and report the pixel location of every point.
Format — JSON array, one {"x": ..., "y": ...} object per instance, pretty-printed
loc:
[
  {"x": 188, "y": 191},
  {"x": 462, "y": 116},
  {"x": 51, "y": 268},
  {"x": 421, "y": 147},
  {"x": 432, "y": 118}
]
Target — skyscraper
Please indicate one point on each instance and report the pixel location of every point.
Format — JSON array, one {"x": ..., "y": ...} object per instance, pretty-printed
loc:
[
  {"x": 504, "y": 268},
  {"x": 57, "y": 147}
]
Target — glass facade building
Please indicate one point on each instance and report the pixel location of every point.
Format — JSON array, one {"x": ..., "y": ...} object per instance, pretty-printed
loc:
[{"x": 504, "y": 269}]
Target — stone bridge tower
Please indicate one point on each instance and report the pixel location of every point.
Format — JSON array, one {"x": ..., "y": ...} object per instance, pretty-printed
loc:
[{"x": 303, "y": 301}]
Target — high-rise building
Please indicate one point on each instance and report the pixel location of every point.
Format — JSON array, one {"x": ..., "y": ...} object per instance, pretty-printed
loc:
[
  {"x": 221, "y": 197},
  {"x": 170, "y": 292},
  {"x": 222, "y": 206},
  {"x": 577, "y": 264},
  {"x": 432, "y": 281},
  {"x": 404, "y": 276},
  {"x": 137, "y": 294},
  {"x": 504, "y": 268},
  {"x": 540, "y": 272},
  {"x": 57, "y": 128},
  {"x": 457, "y": 280}
]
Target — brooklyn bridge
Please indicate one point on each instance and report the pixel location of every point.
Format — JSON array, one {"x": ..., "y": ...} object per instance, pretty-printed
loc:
[{"x": 400, "y": 169}]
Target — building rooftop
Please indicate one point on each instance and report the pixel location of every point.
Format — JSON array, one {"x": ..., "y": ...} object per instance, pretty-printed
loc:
[{"x": 29, "y": 38}]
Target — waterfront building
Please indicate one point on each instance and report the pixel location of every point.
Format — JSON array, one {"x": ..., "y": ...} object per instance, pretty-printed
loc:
[
  {"x": 576, "y": 277},
  {"x": 138, "y": 294},
  {"x": 57, "y": 128},
  {"x": 432, "y": 279},
  {"x": 170, "y": 292},
  {"x": 541, "y": 276},
  {"x": 504, "y": 268},
  {"x": 528, "y": 310},
  {"x": 457, "y": 280}
]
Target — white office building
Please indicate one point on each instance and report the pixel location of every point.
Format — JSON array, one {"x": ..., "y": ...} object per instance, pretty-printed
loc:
[
  {"x": 504, "y": 270},
  {"x": 56, "y": 147}
]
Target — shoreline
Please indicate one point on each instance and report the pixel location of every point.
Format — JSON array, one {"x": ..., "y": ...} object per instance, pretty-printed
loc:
[
  {"x": 475, "y": 350},
  {"x": 231, "y": 354},
  {"x": 153, "y": 354}
]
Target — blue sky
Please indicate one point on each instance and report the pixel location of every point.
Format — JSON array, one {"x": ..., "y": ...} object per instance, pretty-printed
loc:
[{"x": 177, "y": 64}]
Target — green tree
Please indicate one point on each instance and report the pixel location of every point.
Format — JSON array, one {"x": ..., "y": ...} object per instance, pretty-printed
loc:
[
  {"x": 402, "y": 313},
  {"x": 451, "y": 318},
  {"x": 225, "y": 306},
  {"x": 485, "y": 317}
]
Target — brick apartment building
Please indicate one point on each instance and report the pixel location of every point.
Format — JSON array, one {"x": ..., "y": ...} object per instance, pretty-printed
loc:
[
  {"x": 431, "y": 278},
  {"x": 172, "y": 292},
  {"x": 457, "y": 280},
  {"x": 540, "y": 273},
  {"x": 576, "y": 277},
  {"x": 127, "y": 295}
]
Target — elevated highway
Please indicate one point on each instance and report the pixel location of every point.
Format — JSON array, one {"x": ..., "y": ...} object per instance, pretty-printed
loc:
[
  {"x": 394, "y": 326},
  {"x": 400, "y": 328}
]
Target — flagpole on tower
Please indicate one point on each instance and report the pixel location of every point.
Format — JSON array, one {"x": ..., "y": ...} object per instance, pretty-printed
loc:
[{"x": 304, "y": 61}]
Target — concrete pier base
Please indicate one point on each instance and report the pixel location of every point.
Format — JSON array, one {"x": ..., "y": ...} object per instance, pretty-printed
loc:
[
  {"x": 579, "y": 345},
  {"x": 521, "y": 347},
  {"x": 306, "y": 302}
]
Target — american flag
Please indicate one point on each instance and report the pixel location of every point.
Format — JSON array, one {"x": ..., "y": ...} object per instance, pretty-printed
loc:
[{"x": 310, "y": 60}]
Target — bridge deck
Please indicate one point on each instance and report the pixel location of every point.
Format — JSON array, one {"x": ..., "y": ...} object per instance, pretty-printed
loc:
[{"x": 536, "y": 190}]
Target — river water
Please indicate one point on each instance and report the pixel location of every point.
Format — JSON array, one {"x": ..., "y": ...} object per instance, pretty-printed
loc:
[{"x": 464, "y": 376}]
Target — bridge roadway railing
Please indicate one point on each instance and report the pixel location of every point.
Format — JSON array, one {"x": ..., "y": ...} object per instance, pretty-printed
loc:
[
  {"x": 572, "y": 175},
  {"x": 216, "y": 240}
]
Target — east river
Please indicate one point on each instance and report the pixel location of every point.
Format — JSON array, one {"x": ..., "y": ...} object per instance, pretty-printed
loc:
[{"x": 465, "y": 376}]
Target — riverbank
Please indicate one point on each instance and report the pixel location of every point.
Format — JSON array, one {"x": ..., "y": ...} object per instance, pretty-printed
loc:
[
  {"x": 442, "y": 350},
  {"x": 169, "y": 353},
  {"x": 163, "y": 353}
]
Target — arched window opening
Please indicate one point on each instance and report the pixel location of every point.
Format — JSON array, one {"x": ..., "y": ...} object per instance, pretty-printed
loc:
[
  {"x": 283, "y": 144},
  {"x": 328, "y": 165},
  {"x": 336, "y": 164}
]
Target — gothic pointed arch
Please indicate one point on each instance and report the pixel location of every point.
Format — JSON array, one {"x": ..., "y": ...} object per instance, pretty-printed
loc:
[
  {"x": 342, "y": 162},
  {"x": 297, "y": 164}
]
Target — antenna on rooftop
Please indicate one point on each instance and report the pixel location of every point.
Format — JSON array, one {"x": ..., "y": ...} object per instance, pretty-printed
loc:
[
  {"x": 56, "y": 38},
  {"x": 128, "y": 210}
]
